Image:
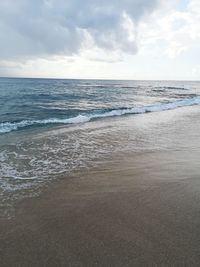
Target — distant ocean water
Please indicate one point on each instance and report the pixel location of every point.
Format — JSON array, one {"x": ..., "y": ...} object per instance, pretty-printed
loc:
[{"x": 50, "y": 127}]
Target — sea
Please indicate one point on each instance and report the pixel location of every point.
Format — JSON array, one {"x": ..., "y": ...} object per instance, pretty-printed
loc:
[{"x": 51, "y": 128}]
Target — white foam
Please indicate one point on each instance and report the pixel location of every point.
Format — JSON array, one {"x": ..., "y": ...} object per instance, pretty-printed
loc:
[{"x": 12, "y": 126}]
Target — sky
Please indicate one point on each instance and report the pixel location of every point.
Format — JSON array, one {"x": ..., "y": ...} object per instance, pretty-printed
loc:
[{"x": 93, "y": 39}]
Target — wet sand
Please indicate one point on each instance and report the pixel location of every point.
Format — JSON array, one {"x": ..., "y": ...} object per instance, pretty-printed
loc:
[{"x": 139, "y": 210}]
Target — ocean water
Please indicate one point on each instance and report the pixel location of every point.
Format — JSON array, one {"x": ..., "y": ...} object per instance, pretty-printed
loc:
[{"x": 49, "y": 128}]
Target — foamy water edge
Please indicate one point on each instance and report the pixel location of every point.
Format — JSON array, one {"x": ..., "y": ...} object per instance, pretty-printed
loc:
[{"x": 7, "y": 127}]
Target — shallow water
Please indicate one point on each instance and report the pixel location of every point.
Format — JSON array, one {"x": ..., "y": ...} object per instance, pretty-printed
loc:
[{"x": 33, "y": 154}]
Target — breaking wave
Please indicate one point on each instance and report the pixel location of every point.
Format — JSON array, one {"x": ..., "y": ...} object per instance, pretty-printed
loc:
[{"x": 6, "y": 127}]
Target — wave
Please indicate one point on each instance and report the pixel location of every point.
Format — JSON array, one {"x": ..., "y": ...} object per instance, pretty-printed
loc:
[
  {"x": 6, "y": 127},
  {"x": 163, "y": 88}
]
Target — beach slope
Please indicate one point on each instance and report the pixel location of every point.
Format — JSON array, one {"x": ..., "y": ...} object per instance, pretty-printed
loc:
[{"x": 139, "y": 210}]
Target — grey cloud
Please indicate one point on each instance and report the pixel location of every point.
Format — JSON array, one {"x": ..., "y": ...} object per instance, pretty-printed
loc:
[{"x": 33, "y": 28}]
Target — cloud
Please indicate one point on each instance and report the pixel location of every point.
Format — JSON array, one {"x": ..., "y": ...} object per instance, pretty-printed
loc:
[
  {"x": 174, "y": 32},
  {"x": 42, "y": 28}
]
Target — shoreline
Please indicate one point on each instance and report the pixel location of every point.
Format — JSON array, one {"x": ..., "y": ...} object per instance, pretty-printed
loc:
[{"x": 138, "y": 210}]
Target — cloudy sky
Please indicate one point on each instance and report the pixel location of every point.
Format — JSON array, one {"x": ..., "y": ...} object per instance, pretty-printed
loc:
[{"x": 115, "y": 39}]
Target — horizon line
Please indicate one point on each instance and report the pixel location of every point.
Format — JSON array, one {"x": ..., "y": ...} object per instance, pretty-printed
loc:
[{"x": 99, "y": 79}]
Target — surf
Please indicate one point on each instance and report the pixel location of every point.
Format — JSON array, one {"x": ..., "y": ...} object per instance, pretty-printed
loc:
[{"x": 6, "y": 127}]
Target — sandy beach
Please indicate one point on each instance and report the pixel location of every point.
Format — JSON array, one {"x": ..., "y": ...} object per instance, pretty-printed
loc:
[{"x": 138, "y": 210}]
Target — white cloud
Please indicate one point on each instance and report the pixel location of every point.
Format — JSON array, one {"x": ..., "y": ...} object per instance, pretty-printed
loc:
[
  {"x": 196, "y": 71},
  {"x": 174, "y": 32}
]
